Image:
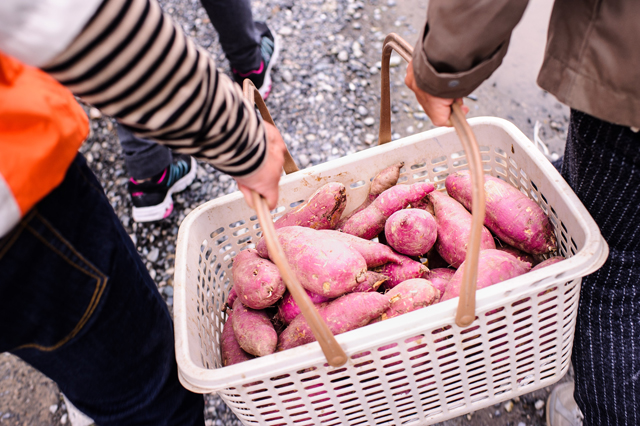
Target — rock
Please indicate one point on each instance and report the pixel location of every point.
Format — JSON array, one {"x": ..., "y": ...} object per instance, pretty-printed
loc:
[
  {"x": 362, "y": 110},
  {"x": 395, "y": 60},
  {"x": 303, "y": 161},
  {"x": 508, "y": 406},
  {"x": 53, "y": 408},
  {"x": 287, "y": 76},
  {"x": 369, "y": 121},
  {"x": 343, "y": 56},
  {"x": 369, "y": 138},
  {"x": 153, "y": 255},
  {"x": 539, "y": 404},
  {"x": 94, "y": 113},
  {"x": 285, "y": 31}
]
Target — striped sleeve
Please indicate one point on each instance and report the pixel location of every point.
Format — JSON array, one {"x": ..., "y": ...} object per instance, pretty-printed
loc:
[{"x": 135, "y": 64}]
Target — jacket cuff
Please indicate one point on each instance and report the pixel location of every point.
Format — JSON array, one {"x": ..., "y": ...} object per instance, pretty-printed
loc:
[{"x": 452, "y": 85}]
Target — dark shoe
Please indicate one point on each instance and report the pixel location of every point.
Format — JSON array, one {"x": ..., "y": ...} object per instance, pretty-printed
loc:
[
  {"x": 269, "y": 49},
  {"x": 152, "y": 199},
  {"x": 562, "y": 409}
]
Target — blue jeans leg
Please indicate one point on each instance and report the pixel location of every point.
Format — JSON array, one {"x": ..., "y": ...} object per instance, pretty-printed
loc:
[{"x": 77, "y": 303}]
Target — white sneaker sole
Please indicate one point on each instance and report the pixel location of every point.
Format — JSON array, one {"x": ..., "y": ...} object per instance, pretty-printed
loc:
[{"x": 164, "y": 209}]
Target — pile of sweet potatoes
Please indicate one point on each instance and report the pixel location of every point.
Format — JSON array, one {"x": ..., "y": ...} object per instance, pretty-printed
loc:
[{"x": 371, "y": 264}]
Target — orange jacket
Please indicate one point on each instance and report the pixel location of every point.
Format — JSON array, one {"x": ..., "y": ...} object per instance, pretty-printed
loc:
[{"x": 41, "y": 128}]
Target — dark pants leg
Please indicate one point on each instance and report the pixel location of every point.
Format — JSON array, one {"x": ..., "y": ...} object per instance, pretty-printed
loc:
[
  {"x": 77, "y": 303},
  {"x": 602, "y": 165},
  {"x": 239, "y": 38},
  {"x": 142, "y": 157}
]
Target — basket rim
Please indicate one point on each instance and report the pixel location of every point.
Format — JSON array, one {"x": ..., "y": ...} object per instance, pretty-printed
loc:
[{"x": 588, "y": 259}]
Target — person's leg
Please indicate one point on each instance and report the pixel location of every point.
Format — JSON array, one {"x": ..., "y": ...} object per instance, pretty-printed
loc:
[
  {"x": 250, "y": 47},
  {"x": 77, "y": 303},
  {"x": 602, "y": 165},
  {"x": 155, "y": 174},
  {"x": 143, "y": 158},
  {"x": 237, "y": 32}
]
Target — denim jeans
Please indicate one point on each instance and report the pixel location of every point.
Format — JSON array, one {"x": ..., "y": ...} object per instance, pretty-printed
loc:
[
  {"x": 602, "y": 166},
  {"x": 77, "y": 303}
]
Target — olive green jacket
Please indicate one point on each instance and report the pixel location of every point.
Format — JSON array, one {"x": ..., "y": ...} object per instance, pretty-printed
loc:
[{"x": 591, "y": 62}]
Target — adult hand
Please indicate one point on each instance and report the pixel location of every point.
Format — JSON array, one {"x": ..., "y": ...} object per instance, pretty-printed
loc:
[
  {"x": 265, "y": 180},
  {"x": 438, "y": 109}
]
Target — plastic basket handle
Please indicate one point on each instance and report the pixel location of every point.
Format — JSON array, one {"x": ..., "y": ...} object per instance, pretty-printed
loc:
[
  {"x": 332, "y": 351},
  {"x": 465, "y": 313}
]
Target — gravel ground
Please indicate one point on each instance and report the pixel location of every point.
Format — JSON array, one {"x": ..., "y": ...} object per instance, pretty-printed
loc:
[{"x": 325, "y": 103}]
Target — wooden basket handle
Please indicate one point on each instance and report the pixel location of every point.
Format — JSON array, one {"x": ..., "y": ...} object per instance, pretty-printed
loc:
[
  {"x": 465, "y": 313},
  {"x": 332, "y": 351}
]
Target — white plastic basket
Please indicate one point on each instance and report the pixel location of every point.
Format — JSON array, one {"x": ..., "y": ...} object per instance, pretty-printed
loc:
[{"x": 419, "y": 368}]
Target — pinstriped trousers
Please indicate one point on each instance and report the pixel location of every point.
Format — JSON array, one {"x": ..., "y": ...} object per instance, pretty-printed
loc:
[{"x": 602, "y": 165}]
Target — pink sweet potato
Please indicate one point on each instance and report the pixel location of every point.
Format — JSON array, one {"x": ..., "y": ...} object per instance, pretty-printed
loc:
[
  {"x": 231, "y": 297},
  {"x": 411, "y": 231},
  {"x": 410, "y": 295},
  {"x": 550, "y": 261},
  {"x": 253, "y": 330},
  {"x": 494, "y": 266},
  {"x": 511, "y": 215},
  {"x": 322, "y": 264},
  {"x": 343, "y": 314},
  {"x": 399, "y": 272},
  {"x": 370, "y": 221},
  {"x": 375, "y": 254},
  {"x": 232, "y": 353},
  {"x": 384, "y": 180},
  {"x": 454, "y": 228},
  {"x": 525, "y": 257},
  {"x": 321, "y": 211},
  {"x": 288, "y": 309},
  {"x": 440, "y": 278},
  {"x": 257, "y": 281},
  {"x": 372, "y": 281}
]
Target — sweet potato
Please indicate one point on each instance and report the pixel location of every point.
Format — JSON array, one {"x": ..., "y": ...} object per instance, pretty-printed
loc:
[
  {"x": 410, "y": 295},
  {"x": 231, "y": 297},
  {"x": 411, "y": 231},
  {"x": 288, "y": 309},
  {"x": 372, "y": 281},
  {"x": 375, "y": 254},
  {"x": 322, "y": 264},
  {"x": 322, "y": 211},
  {"x": 494, "y": 266},
  {"x": 525, "y": 257},
  {"x": 440, "y": 278},
  {"x": 231, "y": 351},
  {"x": 370, "y": 221},
  {"x": 454, "y": 228},
  {"x": 253, "y": 330},
  {"x": 550, "y": 261},
  {"x": 511, "y": 215},
  {"x": 384, "y": 180},
  {"x": 343, "y": 314},
  {"x": 257, "y": 281},
  {"x": 399, "y": 272}
]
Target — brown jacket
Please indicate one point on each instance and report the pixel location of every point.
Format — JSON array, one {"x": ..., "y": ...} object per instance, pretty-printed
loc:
[{"x": 591, "y": 63}]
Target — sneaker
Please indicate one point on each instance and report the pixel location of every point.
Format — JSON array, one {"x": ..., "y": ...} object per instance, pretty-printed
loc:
[
  {"x": 562, "y": 409},
  {"x": 269, "y": 49},
  {"x": 152, "y": 198}
]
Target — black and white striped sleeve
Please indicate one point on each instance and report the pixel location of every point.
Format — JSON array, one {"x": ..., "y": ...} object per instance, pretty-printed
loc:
[{"x": 135, "y": 64}]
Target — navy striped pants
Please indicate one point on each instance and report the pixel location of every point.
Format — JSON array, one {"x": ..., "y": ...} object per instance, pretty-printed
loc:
[{"x": 602, "y": 165}]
